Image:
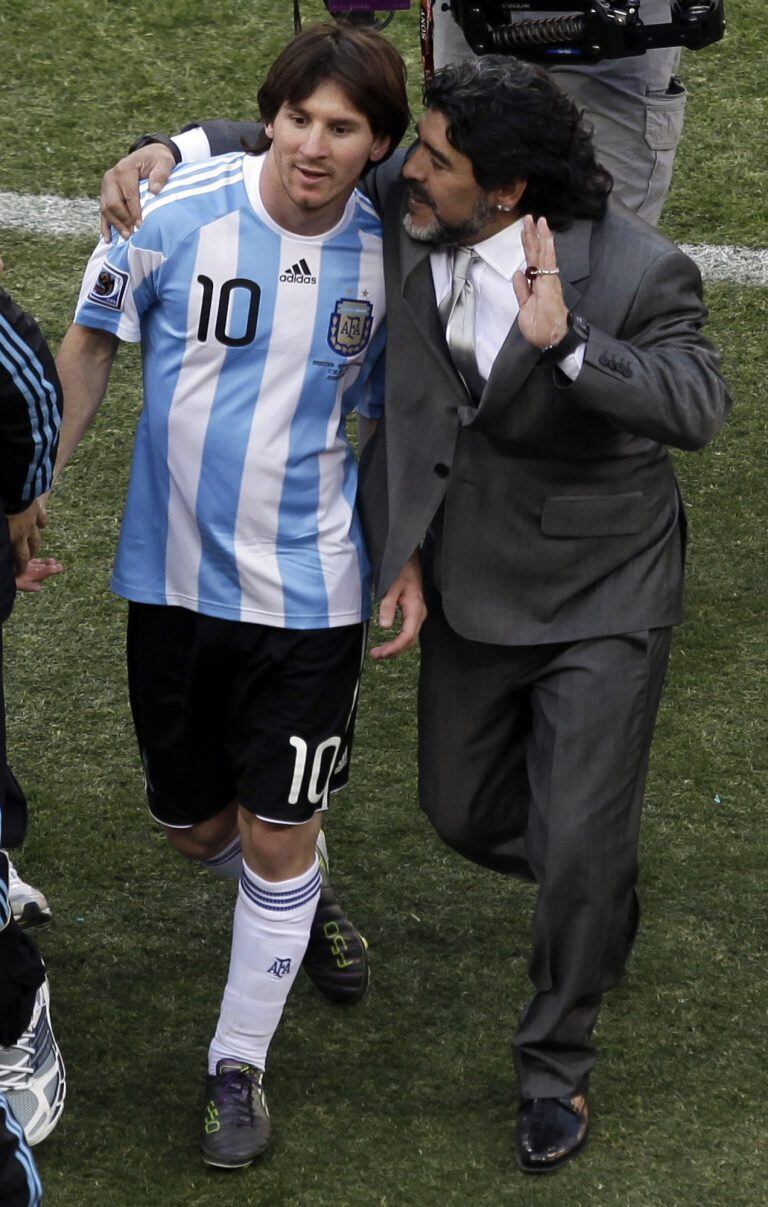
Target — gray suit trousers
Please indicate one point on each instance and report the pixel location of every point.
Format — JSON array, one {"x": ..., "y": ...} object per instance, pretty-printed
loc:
[{"x": 533, "y": 762}]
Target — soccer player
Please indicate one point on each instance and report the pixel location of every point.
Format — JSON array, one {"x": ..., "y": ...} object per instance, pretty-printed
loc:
[
  {"x": 255, "y": 286},
  {"x": 32, "y": 1076}
]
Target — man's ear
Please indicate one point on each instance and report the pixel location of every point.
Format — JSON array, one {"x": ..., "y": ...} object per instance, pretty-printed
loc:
[
  {"x": 381, "y": 145},
  {"x": 269, "y": 130},
  {"x": 510, "y": 195}
]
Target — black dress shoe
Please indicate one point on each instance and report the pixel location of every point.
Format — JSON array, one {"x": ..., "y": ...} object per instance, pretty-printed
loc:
[{"x": 550, "y": 1131}]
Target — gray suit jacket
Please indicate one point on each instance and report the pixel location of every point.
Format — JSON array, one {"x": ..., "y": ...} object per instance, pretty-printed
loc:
[{"x": 558, "y": 514}]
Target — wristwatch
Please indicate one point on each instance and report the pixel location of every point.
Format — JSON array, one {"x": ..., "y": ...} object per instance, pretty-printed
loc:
[
  {"x": 146, "y": 139},
  {"x": 576, "y": 335}
]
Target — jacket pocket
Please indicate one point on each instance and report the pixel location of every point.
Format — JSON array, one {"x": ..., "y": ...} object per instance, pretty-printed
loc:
[{"x": 593, "y": 515}]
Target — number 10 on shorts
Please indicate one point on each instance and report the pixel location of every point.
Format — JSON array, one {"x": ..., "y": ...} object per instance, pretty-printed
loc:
[{"x": 320, "y": 772}]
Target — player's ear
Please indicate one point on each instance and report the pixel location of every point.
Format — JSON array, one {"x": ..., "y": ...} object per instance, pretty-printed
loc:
[
  {"x": 381, "y": 145},
  {"x": 269, "y": 130}
]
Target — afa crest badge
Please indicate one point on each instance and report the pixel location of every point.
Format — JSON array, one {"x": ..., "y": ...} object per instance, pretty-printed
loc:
[
  {"x": 279, "y": 968},
  {"x": 350, "y": 327},
  {"x": 109, "y": 288}
]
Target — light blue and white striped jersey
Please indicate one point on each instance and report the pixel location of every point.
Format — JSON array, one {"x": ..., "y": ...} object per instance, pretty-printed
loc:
[{"x": 257, "y": 343}]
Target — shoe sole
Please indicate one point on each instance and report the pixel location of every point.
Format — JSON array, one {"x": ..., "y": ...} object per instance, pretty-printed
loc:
[
  {"x": 554, "y": 1165},
  {"x": 220, "y": 1163},
  {"x": 32, "y": 915},
  {"x": 223, "y": 1165}
]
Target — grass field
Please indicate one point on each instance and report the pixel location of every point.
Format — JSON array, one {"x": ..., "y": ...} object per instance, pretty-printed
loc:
[{"x": 409, "y": 1099}]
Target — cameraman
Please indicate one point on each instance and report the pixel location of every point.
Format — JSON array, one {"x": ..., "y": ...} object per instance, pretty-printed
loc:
[{"x": 636, "y": 106}]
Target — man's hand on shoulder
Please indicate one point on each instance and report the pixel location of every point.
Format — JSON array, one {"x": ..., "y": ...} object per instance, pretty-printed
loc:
[
  {"x": 407, "y": 596},
  {"x": 119, "y": 201}
]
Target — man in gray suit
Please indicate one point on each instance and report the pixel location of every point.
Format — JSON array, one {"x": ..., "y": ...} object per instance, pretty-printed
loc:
[
  {"x": 534, "y": 380},
  {"x": 554, "y": 553}
]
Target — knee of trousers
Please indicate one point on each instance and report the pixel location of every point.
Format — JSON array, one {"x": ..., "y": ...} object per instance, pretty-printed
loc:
[{"x": 452, "y": 823}]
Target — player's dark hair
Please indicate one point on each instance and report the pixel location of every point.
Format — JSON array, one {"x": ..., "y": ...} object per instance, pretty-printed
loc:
[
  {"x": 513, "y": 123},
  {"x": 360, "y": 61}
]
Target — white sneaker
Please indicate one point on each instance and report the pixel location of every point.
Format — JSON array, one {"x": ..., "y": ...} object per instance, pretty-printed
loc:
[
  {"x": 28, "y": 904},
  {"x": 32, "y": 1075}
]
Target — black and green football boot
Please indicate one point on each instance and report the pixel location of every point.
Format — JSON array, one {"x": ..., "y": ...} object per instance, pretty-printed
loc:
[
  {"x": 336, "y": 959},
  {"x": 236, "y": 1124}
]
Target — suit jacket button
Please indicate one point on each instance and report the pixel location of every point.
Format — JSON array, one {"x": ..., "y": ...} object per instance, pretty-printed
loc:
[
  {"x": 442, "y": 470},
  {"x": 604, "y": 359}
]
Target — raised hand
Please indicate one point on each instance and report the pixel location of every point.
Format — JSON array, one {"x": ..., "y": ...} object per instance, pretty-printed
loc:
[{"x": 543, "y": 317}]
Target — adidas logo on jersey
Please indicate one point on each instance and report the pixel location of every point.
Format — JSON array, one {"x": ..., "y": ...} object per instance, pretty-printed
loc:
[{"x": 299, "y": 274}]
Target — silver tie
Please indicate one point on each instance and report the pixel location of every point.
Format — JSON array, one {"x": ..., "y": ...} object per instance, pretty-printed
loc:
[{"x": 458, "y": 312}]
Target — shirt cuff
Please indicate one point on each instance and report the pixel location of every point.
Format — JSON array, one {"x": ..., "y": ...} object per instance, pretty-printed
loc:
[
  {"x": 571, "y": 365},
  {"x": 193, "y": 145}
]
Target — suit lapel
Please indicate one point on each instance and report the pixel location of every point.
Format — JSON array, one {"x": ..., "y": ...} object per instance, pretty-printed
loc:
[{"x": 418, "y": 293}]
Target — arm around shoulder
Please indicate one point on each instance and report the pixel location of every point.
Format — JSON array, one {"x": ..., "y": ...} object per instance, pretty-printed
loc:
[
  {"x": 153, "y": 160},
  {"x": 224, "y": 135}
]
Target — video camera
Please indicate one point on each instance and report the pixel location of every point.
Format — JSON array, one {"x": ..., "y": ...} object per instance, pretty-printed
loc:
[
  {"x": 576, "y": 31},
  {"x": 591, "y": 30}
]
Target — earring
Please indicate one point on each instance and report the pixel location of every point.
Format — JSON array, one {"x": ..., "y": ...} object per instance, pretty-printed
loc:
[{"x": 505, "y": 209}]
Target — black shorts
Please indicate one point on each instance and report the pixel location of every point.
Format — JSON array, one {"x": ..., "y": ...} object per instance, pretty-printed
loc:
[{"x": 226, "y": 710}]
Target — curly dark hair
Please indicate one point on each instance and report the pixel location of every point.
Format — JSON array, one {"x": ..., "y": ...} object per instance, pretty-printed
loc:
[{"x": 513, "y": 123}]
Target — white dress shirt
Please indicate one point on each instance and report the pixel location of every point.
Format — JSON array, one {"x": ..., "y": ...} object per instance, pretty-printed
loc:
[{"x": 496, "y": 304}]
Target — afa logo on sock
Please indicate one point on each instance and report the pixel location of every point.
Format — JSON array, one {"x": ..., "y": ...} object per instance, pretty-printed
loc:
[{"x": 279, "y": 968}]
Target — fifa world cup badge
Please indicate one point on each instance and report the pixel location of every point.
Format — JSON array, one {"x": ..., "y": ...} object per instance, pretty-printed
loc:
[
  {"x": 350, "y": 327},
  {"x": 109, "y": 288}
]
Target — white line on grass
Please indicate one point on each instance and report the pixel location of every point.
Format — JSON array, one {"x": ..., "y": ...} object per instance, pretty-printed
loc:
[
  {"x": 736, "y": 265},
  {"x": 48, "y": 215}
]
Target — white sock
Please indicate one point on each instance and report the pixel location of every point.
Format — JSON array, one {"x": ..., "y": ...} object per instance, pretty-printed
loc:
[
  {"x": 229, "y": 862},
  {"x": 269, "y": 938}
]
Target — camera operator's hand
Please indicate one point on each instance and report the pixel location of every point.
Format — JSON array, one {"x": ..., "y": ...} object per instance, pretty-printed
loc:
[
  {"x": 543, "y": 318},
  {"x": 120, "y": 205}
]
